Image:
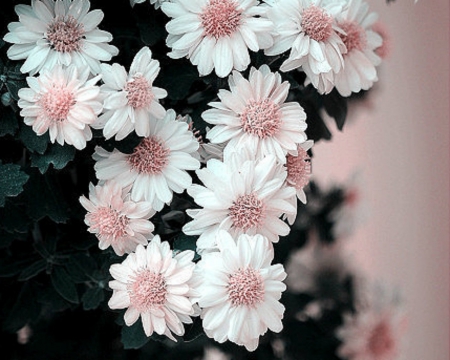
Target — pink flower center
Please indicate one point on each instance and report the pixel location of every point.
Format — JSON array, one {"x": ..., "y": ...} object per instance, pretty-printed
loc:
[
  {"x": 261, "y": 118},
  {"x": 220, "y": 18},
  {"x": 149, "y": 157},
  {"x": 380, "y": 341},
  {"x": 355, "y": 37},
  {"x": 109, "y": 222},
  {"x": 56, "y": 102},
  {"x": 147, "y": 290},
  {"x": 245, "y": 287},
  {"x": 65, "y": 34},
  {"x": 247, "y": 212},
  {"x": 139, "y": 92},
  {"x": 316, "y": 23},
  {"x": 299, "y": 169}
]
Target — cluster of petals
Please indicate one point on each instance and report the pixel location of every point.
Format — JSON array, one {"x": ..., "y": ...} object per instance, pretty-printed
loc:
[
  {"x": 240, "y": 290},
  {"x": 131, "y": 101},
  {"x": 158, "y": 165},
  {"x": 154, "y": 284},
  {"x": 299, "y": 169},
  {"x": 217, "y": 34},
  {"x": 253, "y": 114},
  {"x": 156, "y": 3},
  {"x": 62, "y": 101},
  {"x": 51, "y": 32},
  {"x": 115, "y": 219},
  {"x": 241, "y": 195}
]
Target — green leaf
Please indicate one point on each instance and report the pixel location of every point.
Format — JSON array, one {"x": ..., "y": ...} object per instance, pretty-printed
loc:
[
  {"x": 336, "y": 106},
  {"x": 178, "y": 80},
  {"x": 194, "y": 330},
  {"x": 133, "y": 337},
  {"x": 56, "y": 154},
  {"x": 33, "y": 270},
  {"x": 8, "y": 121},
  {"x": 14, "y": 86},
  {"x": 81, "y": 267},
  {"x": 32, "y": 141},
  {"x": 64, "y": 285},
  {"x": 185, "y": 242},
  {"x": 13, "y": 218},
  {"x": 92, "y": 298},
  {"x": 12, "y": 179}
]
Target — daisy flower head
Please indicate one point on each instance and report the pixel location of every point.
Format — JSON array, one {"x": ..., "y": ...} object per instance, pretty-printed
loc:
[
  {"x": 131, "y": 101},
  {"x": 115, "y": 219},
  {"x": 242, "y": 196},
  {"x": 156, "y": 286},
  {"x": 240, "y": 290},
  {"x": 253, "y": 114},
  {"x": 63, "y": 102},
  {"x": 307, "y": 29},
  {"x": 158, "y": 165},
  {"x": 63, "y": 32},
  {"x": 299, "y": 169},
  {"x": 217, "y": 34},
  {"x": 360, "y": 60}
]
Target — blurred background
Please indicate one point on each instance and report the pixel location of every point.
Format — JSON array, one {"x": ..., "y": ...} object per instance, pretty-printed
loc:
[{"x": 398, "y": 139}]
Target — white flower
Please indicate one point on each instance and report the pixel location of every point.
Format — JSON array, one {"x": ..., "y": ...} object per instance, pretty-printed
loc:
[
  {"x": 217, "y": 34},
  {"x": 307, "y": 28},
  {"x": 240, "y": 195},
  {"x": 156, "y": 286},
  {"x": 115, "y": 219},
  {"x": 254, "y": 115},
  {"x": 157, "y": 167},
  {"x": 240, "y": 290},
  {"x": 299, "y": 169},
  {"x": 63, "y": 32},
  {"x": 63, "y": 102},
  {"x": 131, "y": 100},
  {"x": 360, "y": 61},
  {"x": 156, "y": 3}
]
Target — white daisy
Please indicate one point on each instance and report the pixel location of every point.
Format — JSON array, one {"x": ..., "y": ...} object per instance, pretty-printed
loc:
[
  {"x": 360, "y": 61},
  {"x": 115, "y": 219},
  {"x": 240, "y": 290},
  {"x": 240, "y": 195},
  {"x": 53, "y": 32},
  {"x": 217, "y": 34},
  {"x": 299, "y": 169},
  {"x": 307, "y": 28},
  {"x": 155, "y": 285},
  {"x": 157, "y": 167},
  {"x": 131, "y": 101},
  {"x": 254, "y": 115},
  {"x": 63, "y": 102}
]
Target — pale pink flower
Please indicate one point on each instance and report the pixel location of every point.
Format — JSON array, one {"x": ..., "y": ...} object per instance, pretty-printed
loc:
[
  {"x": 299, "y": 169},
  {"x": 385, "y": 49},
  {"x": 360, "y": 61},
  {"x": 307, "y": 28},
  {"x": 240, "y": 290},
  {"x": 158, "y": 165},
  {"x": 242, "y": 196},
  {"x": 131, "y": 101},
  {"x": 217, "y": 34},
  {"x": 155, "y": 285},
  {"x": 115, "y": 219},
  {"x": 253, "y": 114},
  {"x": 63, "y": 32},
  {"x": 63, "y": 102}
]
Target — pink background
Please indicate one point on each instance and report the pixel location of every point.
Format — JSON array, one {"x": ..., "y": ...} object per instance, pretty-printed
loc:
[{"x": 399, "y": 139}]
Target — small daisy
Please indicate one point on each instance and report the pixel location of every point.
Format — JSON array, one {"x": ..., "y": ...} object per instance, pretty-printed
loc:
[
  {"x": 299, "y": 169},
  {"x": 157, "y": 167},
  {"x": 240, "y": 290},
  {"x": 217, "y": 34},
  {"x": 360, "y": 61},
  {"x": 307, "y": 28},
  {"x": 156, "y": 3},
  {"x": 241, "y": 195},
  {"x": 63, "y": 32},
  {"x": 155, "y": 285},
  {"x": 131, "y": 101},
  {"x": 254, "y": 115},
  {"x": 115, "y": 219},
  {"x": 63, "y": 102}
]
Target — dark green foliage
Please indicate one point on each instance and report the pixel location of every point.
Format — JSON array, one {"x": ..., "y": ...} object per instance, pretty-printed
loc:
[{"x": 12, "y": 179}]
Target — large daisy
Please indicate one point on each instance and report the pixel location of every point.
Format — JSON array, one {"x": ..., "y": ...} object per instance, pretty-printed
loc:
[
  {"x": 53, "y": 32},
  {"x": 253, "y": 114},
  {"x": 157, "y": 167},
  {"x": 63, "y": 102},
  {"x": 241, "y": 195},
  {"x": 155, "y": 285},
  {"x": 217, "y": 34},
  {"x": 115, "y": 219},
  {"x": 240, "y": 290},
  {"x": 131, "y": 101}
]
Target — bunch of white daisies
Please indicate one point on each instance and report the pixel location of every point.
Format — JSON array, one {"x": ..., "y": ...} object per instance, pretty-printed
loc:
[{"x": 252, "y": 170}]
